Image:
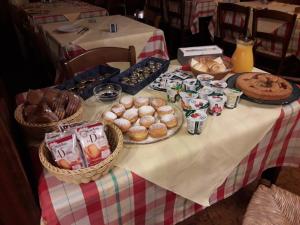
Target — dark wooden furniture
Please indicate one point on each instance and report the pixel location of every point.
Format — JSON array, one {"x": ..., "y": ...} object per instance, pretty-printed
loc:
[
  {"x": 153, "y": 12},
  {"x": 99, "y": 56},
  {"x": 227, "y": 42},
  {"x": 18, "y": 205},
  {"x": 289, "y": 20}
]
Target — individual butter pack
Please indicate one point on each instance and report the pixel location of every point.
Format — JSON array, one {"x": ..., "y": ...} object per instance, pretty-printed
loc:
[
  {"x": 65, "y": 151},
  {"x": 93, "y": 142}
]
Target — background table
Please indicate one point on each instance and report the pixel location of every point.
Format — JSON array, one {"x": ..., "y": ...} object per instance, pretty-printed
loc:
[
  {"x": 147, "y": 40},
  {"x": 122, "y": 197},
  {"x": 41, "y": 13},
  {"x": 277, "y": 28}
]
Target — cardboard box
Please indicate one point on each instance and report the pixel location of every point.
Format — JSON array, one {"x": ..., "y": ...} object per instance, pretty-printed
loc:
[{"x": 185, "y": 54}]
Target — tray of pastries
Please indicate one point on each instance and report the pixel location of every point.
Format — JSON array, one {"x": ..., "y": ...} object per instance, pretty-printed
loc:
[
  {"x": 141, "y": 74},
  {"x": 144, "y": 120},
  {"x": 265, "y": 88},
  {"x": 83, "y": 83}
]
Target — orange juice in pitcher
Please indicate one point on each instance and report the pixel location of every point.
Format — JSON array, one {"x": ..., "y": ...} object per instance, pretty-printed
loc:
[{"x": 242, "y": 58}]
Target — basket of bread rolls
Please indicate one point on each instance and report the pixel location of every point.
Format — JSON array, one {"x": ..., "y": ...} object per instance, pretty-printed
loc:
[
  {"x": 82, "y": 153},
  {"x": 218, "y": 67},
  {"x": 44, "y": 109}
]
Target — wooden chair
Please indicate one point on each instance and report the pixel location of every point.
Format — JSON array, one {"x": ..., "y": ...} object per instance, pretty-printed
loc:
[
  {"x": 227, "y": 42},
  {"x": 99, "y": 56},
  {"x": 284, "y": 40},
  {"x": 153, "y": 12},
  {"x": 273, "y": 205}
]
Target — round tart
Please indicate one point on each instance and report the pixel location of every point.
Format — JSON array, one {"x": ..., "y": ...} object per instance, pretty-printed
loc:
[
  {"x": 158, "y": 130},
  {"x": 164, "y": 110},
  {"x": 118, "y": 109},
  {"x": 146, "y": 110},
  {"x": 127, "y": 101},
  {"x": 109, "y": 116},
  {"x": 147, "y": 121},
  {"x": 170, "y": 120},
  {"x": 138, "y": 133},
  {"x": 123, "y": 124},
  {"x": 131, "y": 115},
  {"x": 264, "y": 86},
  {"x": 140, "y": 101}
]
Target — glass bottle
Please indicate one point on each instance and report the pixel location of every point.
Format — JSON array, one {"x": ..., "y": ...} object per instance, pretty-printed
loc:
[{"x": 242, "y": 58}]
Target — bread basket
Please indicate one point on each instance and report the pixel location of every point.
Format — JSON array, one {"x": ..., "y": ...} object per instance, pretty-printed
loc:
[
  {"x": 37, "y": 131},
  {"x": 217, "y": 76},
  {"x": 85, "y": 175}
]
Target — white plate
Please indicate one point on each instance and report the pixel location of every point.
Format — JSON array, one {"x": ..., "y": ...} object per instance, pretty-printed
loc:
[
  {"x": 179, "y": 115},
  {"x": 69, "y": 28}
]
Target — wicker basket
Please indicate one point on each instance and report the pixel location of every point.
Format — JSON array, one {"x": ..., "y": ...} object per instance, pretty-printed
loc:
[
  {"x": 85, "y": 175},
  {"x": 217, "y": 76},
  {"x": 37, "y": 131}
]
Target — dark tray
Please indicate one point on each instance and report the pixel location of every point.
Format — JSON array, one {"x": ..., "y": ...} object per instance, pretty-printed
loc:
[
  {"x": 83, "y": 83},
  {"x": 293, "y": 97},
  {"x": 133, "y": 89}
]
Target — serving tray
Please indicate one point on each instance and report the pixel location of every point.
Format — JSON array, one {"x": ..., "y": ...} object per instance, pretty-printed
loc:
[
  {"x": 293, "y": 97},
  {"x": 133, "y": 89}
]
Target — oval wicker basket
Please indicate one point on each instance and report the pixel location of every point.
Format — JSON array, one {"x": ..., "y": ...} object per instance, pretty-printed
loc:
[
  {"x": 85, "y": 175},
  {"x": 37, "y": 131},
  {"x": 217, "y": 76}
]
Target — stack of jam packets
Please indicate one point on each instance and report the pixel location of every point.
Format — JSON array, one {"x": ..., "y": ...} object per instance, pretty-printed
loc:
[{"x": 79, "y": 145}]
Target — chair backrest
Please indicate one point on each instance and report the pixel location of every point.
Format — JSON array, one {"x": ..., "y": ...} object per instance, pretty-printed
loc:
[
  {"x": 175, "y": 11},
  {"x": 153, "y": 12},
  {"x": 234, "y": 9},
  {"x": 98, "y": 56},
  {"x": 288, "y": 19}
]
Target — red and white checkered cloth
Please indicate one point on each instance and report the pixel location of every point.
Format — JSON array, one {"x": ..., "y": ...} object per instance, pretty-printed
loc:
[
  {"x": 203, "y": 8},
  {"x": 264, "y": 46},
  {"x": 155, "y": 47},
  {"x": 121, "y": 197}
]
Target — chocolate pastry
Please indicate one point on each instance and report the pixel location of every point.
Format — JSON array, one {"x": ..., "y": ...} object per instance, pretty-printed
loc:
[
  {"x": 29, "y": 110},
  {"x": 34, "y": 97},
  {"x": 50, "y": 96}
]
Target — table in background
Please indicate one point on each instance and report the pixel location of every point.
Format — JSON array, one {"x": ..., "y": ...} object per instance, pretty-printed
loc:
[
  {"x": 41, "y": 13},
  {"x": 147, "y": 40},
  {"x": 122, "y": 197},
  {"x": 279, "y": 29}
]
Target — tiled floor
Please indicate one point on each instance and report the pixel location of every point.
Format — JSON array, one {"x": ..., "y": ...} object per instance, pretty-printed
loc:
[{"x": 231, "y": 210}]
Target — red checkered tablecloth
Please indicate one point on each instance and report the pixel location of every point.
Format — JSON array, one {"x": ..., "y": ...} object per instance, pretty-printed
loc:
[
  {"x": 58, "y": 11},
  {"x": 121, "y": 197},
  {"x": 155, "y": 47}
]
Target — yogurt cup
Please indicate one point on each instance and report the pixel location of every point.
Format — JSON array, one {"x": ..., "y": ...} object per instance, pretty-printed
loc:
[
  {"x": 195, "y": 121},
  {"x": 186, "y": 97},
  {"x": 198, "y": 104},
  {"x": 216, "y": 104},
  {"x": 173, "y": 87},
  {"x": 205, "y": 79},
  {"x": 191, "y": 84},
  {"x": 205, "y": 92},
  {"x": 233, "y": 97},
  {"x": 218, "y": 86}
]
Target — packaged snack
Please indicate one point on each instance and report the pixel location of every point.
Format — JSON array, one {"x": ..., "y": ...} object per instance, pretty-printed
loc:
[
  {"x": 93, "y": 142},
  {"x": 69, "y": 126},
  {"x": 65, "y": 151}
]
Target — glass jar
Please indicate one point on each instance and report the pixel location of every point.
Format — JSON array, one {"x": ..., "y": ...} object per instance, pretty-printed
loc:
[{"x": 242, "y": 58}]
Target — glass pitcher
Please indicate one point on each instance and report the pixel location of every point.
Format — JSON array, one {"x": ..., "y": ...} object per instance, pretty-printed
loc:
[{"x": 242, "y": 58}]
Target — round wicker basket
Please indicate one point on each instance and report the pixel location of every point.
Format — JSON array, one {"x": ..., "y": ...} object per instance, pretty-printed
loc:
[
  {"x": 85, "y": 175},
  {"x": 217, "y": 76},
  {"x": 37, "y": 131}
]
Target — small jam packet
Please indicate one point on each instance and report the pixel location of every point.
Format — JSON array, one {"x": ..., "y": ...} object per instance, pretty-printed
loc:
[
  {"x": 65, "y": 151},
  {"x": 93, "y": 142}
]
